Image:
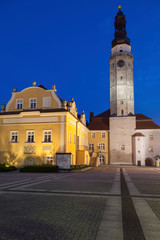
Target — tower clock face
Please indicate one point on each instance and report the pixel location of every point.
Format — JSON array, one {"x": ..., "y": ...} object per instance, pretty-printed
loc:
[{"x": 120, "y": 63}]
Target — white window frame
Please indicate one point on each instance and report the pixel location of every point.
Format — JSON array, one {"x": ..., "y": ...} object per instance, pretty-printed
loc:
[
  {"x": 17, "y": 104},
  {"x": 33, "y": 105},
  {"x": 91, "y": 147},
  {"x": 47, "y": 136},
  {"x": 102, "y": 159},
  {"x": 93, "y": 135},
  {"x": 14, "y": 136},
  {"x": 48, "y": 100},
  {"x": 101, "y": 146},
  {"x": 27, "y": 137},
  {"x": 103, "y": 135}
]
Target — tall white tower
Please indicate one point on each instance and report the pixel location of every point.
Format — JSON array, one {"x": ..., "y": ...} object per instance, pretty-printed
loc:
[{"x": 121, "y": 70}]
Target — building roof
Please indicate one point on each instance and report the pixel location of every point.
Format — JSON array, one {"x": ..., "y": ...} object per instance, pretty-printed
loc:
[
  {"x": 101, "y": 122},
  {"x": 144, "y": 122},
  {"x": 146, "y": 125},
  {"x": 141, "y": 116},
  {"x": 104, "y": 114},
  {"x": 35, "y": 110}
]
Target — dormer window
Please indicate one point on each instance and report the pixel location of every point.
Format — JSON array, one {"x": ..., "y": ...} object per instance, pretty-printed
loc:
[
  {"x": 33, "y": 103},
  {"x": 19, "y": 104}
]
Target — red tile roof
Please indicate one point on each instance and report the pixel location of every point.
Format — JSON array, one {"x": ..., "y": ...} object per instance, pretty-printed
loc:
[
  {"x": 101, "y": 122},
  {"x": 146, "y": 125}
]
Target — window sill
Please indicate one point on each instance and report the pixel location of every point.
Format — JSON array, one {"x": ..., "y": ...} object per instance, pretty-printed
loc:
[
  {"x": 13, "y": 142},
  {"x": 47, "y": 142}
]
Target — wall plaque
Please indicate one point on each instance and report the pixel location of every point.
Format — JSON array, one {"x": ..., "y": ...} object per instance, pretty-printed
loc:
[{"x": 29, "y": 149}]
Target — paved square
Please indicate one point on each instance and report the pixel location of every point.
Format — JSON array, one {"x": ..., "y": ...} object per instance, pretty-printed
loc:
[{"x": 81, "y": 205}]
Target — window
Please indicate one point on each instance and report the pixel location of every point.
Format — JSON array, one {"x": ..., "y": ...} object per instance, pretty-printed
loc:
[
  {"x": 93, "y": 135},
  {"x": 48, "y": 159},
  {"x": 122, "y": 147},
  {"x": 30, "y": 136},
  {"x": 121, "y": 102},
  {"x": 150, "y": 149},
  {"x": 46, "y": 102},
  {"x": 47, "y": 136},
  {"x": 19, "y": 104},
  {"x": 14, "y": 137},
  {"x": 82, "y": 141},
  {"x": 121, "y": 77},
  {"x": 74, "y": 138},
  {"x": 70, "y": 137},
  {"x": 101, "y": 146},
  {"x": 150, "y": 137},
  {"x": 122, "y": 112},
  {"x": 33, "y": 103},
  {"x": 91, "y": 147},
  {"x": 102, "y": 159},
  {"x": 103, "y": 135}
]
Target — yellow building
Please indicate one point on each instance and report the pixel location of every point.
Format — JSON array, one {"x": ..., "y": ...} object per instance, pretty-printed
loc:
[
  {"x": 36, "y": 124},
  {"x": 98, "y": 138}
]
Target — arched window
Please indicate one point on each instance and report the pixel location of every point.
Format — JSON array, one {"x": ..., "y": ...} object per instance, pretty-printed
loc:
[{"x": 122, "y": 147}]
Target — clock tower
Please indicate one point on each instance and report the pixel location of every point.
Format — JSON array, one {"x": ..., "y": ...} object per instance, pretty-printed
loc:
[{"x": 121, "y": 70}]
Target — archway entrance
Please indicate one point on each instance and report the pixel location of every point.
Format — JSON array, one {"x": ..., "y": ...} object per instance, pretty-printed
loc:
[
  {"x": 149, "y": 162},
  {"x": 102, "y": 160},
  {"x": 29, "y": 161}
]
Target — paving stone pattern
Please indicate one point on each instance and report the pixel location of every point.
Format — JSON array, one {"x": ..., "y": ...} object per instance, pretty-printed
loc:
[
  {"x": 96, "y": 204},
  {"x": 32, "y": 217},
  {"x": 155, "y": 205}
]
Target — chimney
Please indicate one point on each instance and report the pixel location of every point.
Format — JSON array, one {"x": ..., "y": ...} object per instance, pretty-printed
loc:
[{"x": 91, "y": 116}]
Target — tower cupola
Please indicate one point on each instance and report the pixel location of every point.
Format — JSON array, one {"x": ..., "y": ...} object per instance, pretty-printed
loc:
[{"x": 120, "y": 29}]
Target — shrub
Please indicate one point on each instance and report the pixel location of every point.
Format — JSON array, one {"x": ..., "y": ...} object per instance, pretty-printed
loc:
[
  {"x": 78, "y": 167},
  {"x": 40, "y": 169},
  {"x": 7, "y": 168}
]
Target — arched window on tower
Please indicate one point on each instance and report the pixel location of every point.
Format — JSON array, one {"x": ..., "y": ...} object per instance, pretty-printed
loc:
[{"x": 122, "y": 147}]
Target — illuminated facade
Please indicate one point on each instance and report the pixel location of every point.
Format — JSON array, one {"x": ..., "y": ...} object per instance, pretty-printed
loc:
[
  {"x": 134, "y": 139},
  {"x": 36, "y": 124}
]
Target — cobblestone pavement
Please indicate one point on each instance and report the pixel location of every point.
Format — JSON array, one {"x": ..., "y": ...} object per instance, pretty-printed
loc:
[{"x": 83, "y": 205}]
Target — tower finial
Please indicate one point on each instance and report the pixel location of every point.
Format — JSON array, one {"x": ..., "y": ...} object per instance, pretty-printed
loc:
[{"x": 119, "y": 6}]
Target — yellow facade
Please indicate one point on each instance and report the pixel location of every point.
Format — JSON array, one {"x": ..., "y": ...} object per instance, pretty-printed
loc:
[
  {"x": 98, "y": 145},
  {"x": 36, "y": 124}
]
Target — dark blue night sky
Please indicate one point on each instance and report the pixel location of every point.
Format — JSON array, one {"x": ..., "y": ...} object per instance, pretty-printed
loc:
[{"x": 68, "y": 43}]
